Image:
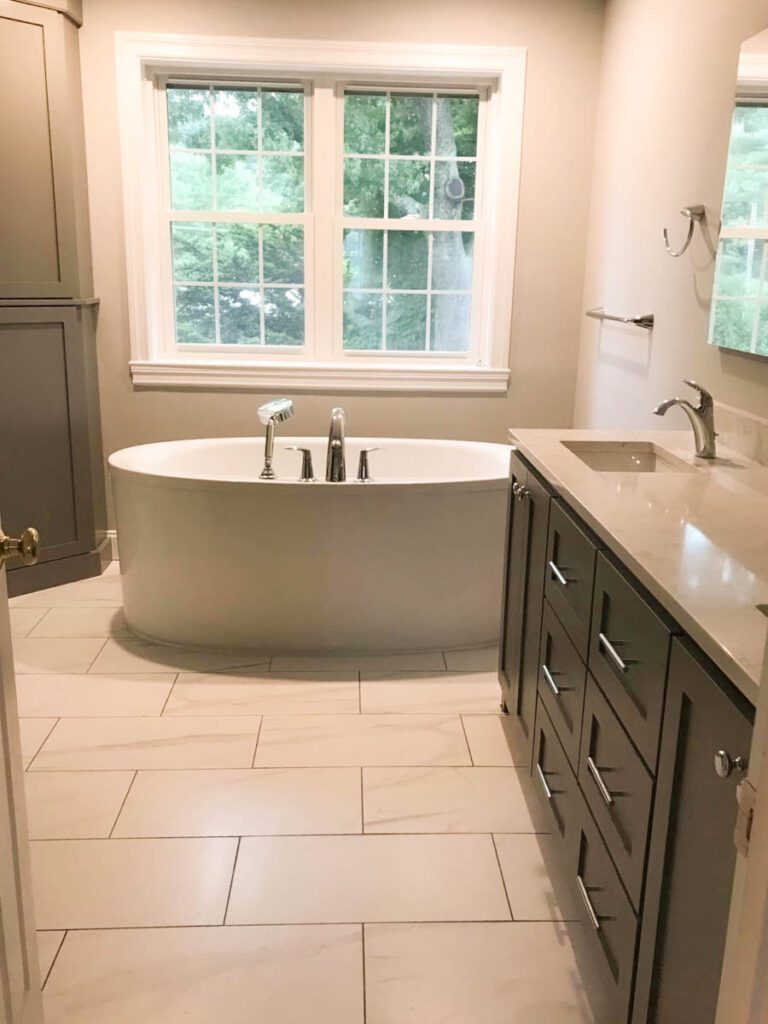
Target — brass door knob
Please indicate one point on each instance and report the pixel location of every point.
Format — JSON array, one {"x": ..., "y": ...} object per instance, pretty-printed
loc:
[{"x": 26, "y": 547}]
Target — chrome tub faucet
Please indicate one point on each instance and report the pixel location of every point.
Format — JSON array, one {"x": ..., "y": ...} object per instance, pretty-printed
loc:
[
  {"x": 272, "y": 413},
  {"x": 335, "y": 463},
  {"x": 702, "y": 419}
]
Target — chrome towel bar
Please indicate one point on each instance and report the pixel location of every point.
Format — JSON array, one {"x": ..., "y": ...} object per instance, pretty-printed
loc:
[{"x": 645, "y": 321}]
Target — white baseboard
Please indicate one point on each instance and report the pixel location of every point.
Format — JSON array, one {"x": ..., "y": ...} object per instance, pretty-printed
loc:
[{"x": 112, "y": 538}]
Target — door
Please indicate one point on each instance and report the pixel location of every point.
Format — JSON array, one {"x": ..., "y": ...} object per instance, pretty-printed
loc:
[
  {"x": 524, "y": 593},
  {"x": 20, "y": 996}
]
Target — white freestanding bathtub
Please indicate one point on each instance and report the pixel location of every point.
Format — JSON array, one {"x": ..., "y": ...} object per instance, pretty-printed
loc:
[{"x": 212, "y": 556}]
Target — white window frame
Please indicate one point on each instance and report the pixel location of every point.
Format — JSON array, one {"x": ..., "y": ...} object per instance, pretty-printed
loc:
[{"x": 498, "y": 73}]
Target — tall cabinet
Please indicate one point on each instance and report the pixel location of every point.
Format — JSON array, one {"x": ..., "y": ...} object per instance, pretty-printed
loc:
[{"x": 51, "y": 473}]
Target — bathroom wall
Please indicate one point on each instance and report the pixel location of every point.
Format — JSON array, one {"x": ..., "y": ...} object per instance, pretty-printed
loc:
[
  {"x": 563, "y": 38},
  {"x": 666, "y": 94}
]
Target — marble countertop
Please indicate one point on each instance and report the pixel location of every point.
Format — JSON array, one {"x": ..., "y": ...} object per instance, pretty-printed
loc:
[{"x": 697, "y": 540}]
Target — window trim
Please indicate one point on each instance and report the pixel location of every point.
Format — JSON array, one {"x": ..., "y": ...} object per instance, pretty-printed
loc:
[{"x": 141, "y": 58}]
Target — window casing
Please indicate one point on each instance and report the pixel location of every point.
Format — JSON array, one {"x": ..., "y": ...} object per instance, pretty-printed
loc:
[{"x": 446, "y": 333}]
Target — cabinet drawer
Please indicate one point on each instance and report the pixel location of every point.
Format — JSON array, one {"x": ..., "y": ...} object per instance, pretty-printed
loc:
[
  {"x": 628, "y": 655},
  {"x": 610, "y": 924},
  {"x": 554, "y": 778},
  {"x": 562, "y": 680},
  {"x": 618, "y": 788},
  {"x": 570, "y": 574}
]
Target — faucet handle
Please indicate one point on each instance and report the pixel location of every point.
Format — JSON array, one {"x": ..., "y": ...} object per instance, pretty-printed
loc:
[
  {"x": 363, "y": 471},
  {"x": 307, "y": 472},
  {"x": 706, "y": 398}
]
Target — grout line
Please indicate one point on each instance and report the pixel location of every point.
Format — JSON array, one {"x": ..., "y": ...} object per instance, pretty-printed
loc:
[
  {"x": 45, "y": 740},
  {"x": 360, "y": 692},
  {"x": 280, "y": 835},
  {"x": 28, "y": 634},
  {"x": 170, "y": 691},
  {"x": 122, "y": 805},
  {"x": 365, "y": 987},
  {"x": 323, "y": 924},
  {"x": 503, "y": 880},
  {"x": 96, "y": 655},
  {"x": 231, "y": 881},
  {"x": 362, "y": 802},
  {"x": 44, "y": 981},
  {"x": 445, "y": 660},
  {"x": 466, "y": 740},
  {"x": 256, "y": 744}
]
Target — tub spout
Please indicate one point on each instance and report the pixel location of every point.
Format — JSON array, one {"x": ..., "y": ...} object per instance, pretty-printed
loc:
[{"x": 335, "y": 463}]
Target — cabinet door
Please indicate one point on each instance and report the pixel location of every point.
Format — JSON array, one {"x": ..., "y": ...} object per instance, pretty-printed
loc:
[
  {"x": 524, "y": 594},
  {"x": 43, "y": 220},
  {"x": 692, "y": 857},
  {"x": 44, "y": 459}
]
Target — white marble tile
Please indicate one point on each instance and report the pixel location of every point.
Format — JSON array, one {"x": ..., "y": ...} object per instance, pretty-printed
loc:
[
  {"x": 115, "y": 743},
  {"x": 427, "y": 661},
  {"x": 489, "y": 738},
  {"x": 250, "y": 801},
  {"x": 476, "y": 659},
  {"x": 282, "y": 975},
  {"x": 98, "y": 592},
  {"x": 306, "y": 740},
  {"x": 318, "y": 879},
  {"x": 476, "y": 973},
  {"x": 34, "y": 732},
  {"x": 122, "y": 883},
  {"x": 529, "y": 887},
  {"x": 48, "y": 945},
  {"x": 74, "y": 805},
  {"x": 444, "y": 800},
  {"x": 134, "y": 655},
  {"x": 32, "y": 656},
  {"x": 23, "y": 620},
  {"x": 246, "y": 693},
  {"x": 93, "y": 694},
  {"x": 430, "y": 691},
  {"x": 81, "y": 622}
]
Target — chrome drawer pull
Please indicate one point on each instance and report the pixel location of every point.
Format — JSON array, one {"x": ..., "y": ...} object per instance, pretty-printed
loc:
[
  {"x": 548, "y": 676},
  {"x": 588, "y": 903},
  {"x": 543, "y": 781},
  {"x": 612, "y": 653},
  {"x": 596, "y": 774},
  {"x": 557, "y": 573}
]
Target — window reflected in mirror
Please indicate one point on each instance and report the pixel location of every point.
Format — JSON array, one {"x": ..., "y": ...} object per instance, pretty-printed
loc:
[{"x": 739, "y": 318}]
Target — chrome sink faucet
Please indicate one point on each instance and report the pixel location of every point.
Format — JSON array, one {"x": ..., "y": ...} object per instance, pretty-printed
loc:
[
  {"x": 702, "y": 419},
  {"x": 271, "y": 414},
  {"x": 335, "y": 463}
]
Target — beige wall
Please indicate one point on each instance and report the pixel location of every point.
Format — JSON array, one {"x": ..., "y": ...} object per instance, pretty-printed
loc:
[
  {"x": 563, "y": 38},
  {"x": 666, "y": 94}
]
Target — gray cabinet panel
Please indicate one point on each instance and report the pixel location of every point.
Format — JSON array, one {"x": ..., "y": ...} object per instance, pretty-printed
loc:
[
  {"x": 44, "y": 459},
  {"x": 570, "y": 574},
  {"x": 562, "y": 681},
  {"x": 524, "y": 593},
  {"x": 691, "y": 857},
  {"x": 44, "y": 243}
]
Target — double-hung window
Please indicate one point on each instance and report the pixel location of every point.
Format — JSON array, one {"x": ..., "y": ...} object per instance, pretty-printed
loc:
[{"x": 319, "y": 216}]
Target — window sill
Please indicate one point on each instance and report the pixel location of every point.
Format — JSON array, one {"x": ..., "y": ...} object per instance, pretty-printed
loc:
[{"x": 222, "y": 375}]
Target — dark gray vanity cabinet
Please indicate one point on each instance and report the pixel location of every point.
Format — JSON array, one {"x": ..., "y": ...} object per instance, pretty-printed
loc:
[
  {"x": 51, "y": 462},
  {"x": 50, "y": 458},
  {"x": 692, "y": 856},
  {"x": 524, "y": 592},
  {"x": 628, "y": 716}
]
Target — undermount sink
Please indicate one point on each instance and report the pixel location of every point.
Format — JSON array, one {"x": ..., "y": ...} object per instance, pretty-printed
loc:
[{"x": 627, "y": 457}]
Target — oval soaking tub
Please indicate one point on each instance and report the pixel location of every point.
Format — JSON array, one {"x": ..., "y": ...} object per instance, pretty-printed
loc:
[{"x": 212, "y": 556}]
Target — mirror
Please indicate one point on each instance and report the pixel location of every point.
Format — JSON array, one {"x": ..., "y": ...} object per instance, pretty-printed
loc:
[{"x": 739, "y": 317}]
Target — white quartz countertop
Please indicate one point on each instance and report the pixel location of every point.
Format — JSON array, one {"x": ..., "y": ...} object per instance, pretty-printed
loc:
[{"x": 697, "y": 540}]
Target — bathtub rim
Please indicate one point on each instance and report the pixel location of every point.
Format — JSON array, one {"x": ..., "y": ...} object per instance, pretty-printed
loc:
[{"x": 156, "y": 478}]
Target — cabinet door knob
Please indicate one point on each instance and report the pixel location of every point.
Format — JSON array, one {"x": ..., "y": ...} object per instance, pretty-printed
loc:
[
  {"x": 26, "y": 547},
  {"x": 725, "y": 764}
]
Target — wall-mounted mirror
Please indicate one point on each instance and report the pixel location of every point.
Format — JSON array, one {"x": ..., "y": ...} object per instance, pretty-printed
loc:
[{"x": 739, "y": 318}]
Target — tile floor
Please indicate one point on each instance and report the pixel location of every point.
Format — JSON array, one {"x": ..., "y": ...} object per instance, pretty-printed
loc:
[{"x": 218, "y": 838}]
